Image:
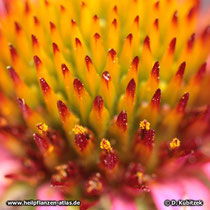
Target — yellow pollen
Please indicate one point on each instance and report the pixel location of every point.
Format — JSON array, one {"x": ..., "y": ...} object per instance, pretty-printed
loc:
[
  {"x": 3, "y": 121},
  {"x": 105, "y": 144},
  {"x": 175, "y": 143},
  {"x": 78, "y": 129},
  {"x": 144, "y": 125},
  {"x": 139, "y": 175},
  {"x": 42, "y": 127},
  {"x": 51, "y": 148}
]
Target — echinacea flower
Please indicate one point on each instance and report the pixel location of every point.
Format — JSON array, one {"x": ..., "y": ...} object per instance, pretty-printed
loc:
[{"x": 105, "y": 102}]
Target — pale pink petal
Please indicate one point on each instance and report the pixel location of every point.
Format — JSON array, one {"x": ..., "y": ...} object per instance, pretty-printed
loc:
[
  {"x": 121, "y": 203},
  {"x": 46, "y": 192},
  {"x": 206, "y": 169},
  {"x": 163, "y": 191},
  {"x": 196, "y": 190},
  {"x": 182, "y": 188},
  {"x": 8, "y": 165}
]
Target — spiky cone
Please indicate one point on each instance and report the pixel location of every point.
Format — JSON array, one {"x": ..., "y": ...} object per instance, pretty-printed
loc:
[{"x": 106, "y": 102}]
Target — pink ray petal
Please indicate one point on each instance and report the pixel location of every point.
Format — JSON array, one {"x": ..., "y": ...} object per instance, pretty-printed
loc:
[
  {"x": 121, "y": 203},
  {"x": 46, "y": 192},
  {"x": 8, "y": 165},
  {"x": 181, "y": 188},
  {"x": 206, "y": 170}
]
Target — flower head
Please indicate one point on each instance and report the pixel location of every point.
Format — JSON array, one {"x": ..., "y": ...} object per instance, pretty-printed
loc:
[{"x": 105, "y": 100}]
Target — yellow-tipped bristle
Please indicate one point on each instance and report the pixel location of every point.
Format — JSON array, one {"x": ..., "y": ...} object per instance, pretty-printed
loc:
[
  {"x": 127, "y": 53},
  {"x": 42, "y": 72},
  {"x": 107, "y": 90},
  {"x": 167, "y": 60},
  {"x": 91, "y": 75},
  {"x": 113, "y": 35},
  {"x": 59, "y": 60},
  {"x": 112, "y": 66},
  {"x": 86, "y": 18},
  {"x": 98, "y": 52},
  {"x": 22, "y": 90},
  {"x": 128, "y": 99},
  {"x": 154, "y": 35},
  {"x": 82, "y": 100},
  {"x": 79, "y": 52},
  {"x": 146, "y": 59},
  {"x": 68, "y": 119},
  {"x": 31, "y": 117},
  {"x": 99, "y": 117},
  {"x": 50, "y": 98},
  {"x": 68, "y": 84},
  {"x": 151, "y": 84}
]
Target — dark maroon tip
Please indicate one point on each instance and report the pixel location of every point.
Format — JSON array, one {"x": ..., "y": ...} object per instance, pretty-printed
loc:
[
  {"x": 88, "y": 62},
  {"x": 156, "y": 23},
  {"x": 34, "y": 40},
  {"x": 44, "y": 85},
  {"x": 83, "y": 4},
  {"x": 64, "y": 69},
  {"x": 13, "y": 52},
  {"x": 37, "y": 61},
  {"x": 36, "y": 21},
  {"x": 23, "y": 107},
  {"x": 122, "y": 120},
  {"x": 55, "y": 48},
  {"x": 172, "y": 45},
  {"x": 63, "y": 109},
  {"x": 147, "y": 42},
  {"x": 200, "y": 73},
  {"x": 27, "y": 8},
  {"x": 78, "y": 42},
  {"x": 175, "y": 18},
  {"x": 191, "y": 13},
  {"x": 113, "y": 53},
  {"x": 46, "y": 3},
  {"x": 106, "y": 76},
  {"x": 17, "y": 27},
  {"x": 78, "y": 86},
  {"x": 52, "y": 26},
  {"x": 191, "y": 42},
  {"x": 95, "y": 18},
  {"x": 181, "y": 70},
  {"x": 130, "y": 37},
  {"x": 131, "y": 88},
  {"x": 155, "y": 70},
  {"x": 97, "y": 36},
  {"x": 136, "y": 20},
  {"x": 157, "y": 5},
  {"x": 135, "y": 63},
  {"x": 98, "y": 103},
  {"x": 62, "y": 8},
  {"x": 206, "y": 33},
  {"x": 114, "y": 23},
  {"x": 155, "y": 102},
  {"x": 73, "y": 22},
  {"x": 13, "y": 74},
  {"x": 182, "y": 103},
  {"x": 115, "y": 9},
  {"x": 21, "y": 103}
]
